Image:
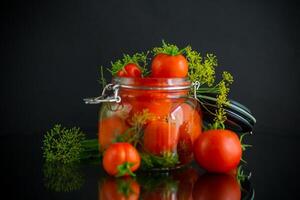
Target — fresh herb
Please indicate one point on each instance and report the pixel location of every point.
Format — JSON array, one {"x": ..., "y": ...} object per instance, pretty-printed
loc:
[
  {"x": 140, "y": 59},
  {"x": 65, "y": 145},
  {"x": 244, "y": 146},
  {"x": 134, "y": 134},
  {"x": 169, "y": 49},
  {"x": 222, "y": 100},
  {"x": 241, "y": 176},
  {"x": 102, "y": 80},
  {"x": 166, "y": 160},
  {"x": 201, "y": 69}
]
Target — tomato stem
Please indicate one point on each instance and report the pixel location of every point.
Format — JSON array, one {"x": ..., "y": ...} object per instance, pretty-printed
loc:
[{"x": 125, "y": 169}]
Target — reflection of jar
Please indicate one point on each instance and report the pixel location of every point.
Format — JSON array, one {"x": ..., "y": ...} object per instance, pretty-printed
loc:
[{"x": 154, "y": 114}]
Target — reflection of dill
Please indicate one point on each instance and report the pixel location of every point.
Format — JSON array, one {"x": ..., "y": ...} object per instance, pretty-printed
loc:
[{"x": 62, "y": 177}]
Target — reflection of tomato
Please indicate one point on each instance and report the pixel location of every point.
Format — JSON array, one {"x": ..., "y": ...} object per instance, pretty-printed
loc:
[
  {"x": 130, "y": 70},
  {"x": 160, "y": 137},
  {"x": 119, "y": 189},
  {"x": 169, "y": 66},
  {"x": 218, "y": 150},
  {"x": 216, "y": 187},
  {"x": 119, "y": 154},
  {"x": 109, "y": 129}
]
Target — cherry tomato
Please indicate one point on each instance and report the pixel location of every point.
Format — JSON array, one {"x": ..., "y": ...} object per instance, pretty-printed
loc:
[
  {"x": 122, "y": 73},
  {"x": 160, "y": 137},
  {"x": 218, "y": 150},
  {"x": 121, "y": 154},
  {"x": 109, "y": 128},
  {"x": 216, "y": 187},
  {"x": 130, "y": 70},
  {"x": 169, "y": 66},
  {"x": 119, "y": 189}
]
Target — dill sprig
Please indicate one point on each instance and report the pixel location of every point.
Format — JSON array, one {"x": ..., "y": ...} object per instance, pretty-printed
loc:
[
  {"x": 140, "y": 59},
  {"x": 201, "y": 69},
  {"x": 102, "y": 79},
  {"x": 169, "y": 49},
  {"x": 166, "y": 160},
  {"x": 65, "y": 145},
  {"x": 134, "y": 134},
  {"x": 222, "y": 100}
]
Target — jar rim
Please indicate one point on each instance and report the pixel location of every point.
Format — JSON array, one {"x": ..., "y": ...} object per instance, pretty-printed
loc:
[{"x": 150, "y": 83}]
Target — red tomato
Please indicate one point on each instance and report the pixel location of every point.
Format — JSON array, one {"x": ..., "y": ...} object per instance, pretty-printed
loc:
[
  {"x": 218, "y": 150},
  {"x": 189, "y": 119},
  {"x": 185, "y": 145},
  {"x": 160, "y": 137},
  {"x": 130, "y": 70},
  {"x": 168, "y": 66},
  {"x": 216, "y": 187},
  {"x": 109, "y": 128},
  {"x": 190, "y": 124},
  {"x": 119, "y": 189},
  {"x": 119, "y": 154},
  {"x": 158, "y": 107}
]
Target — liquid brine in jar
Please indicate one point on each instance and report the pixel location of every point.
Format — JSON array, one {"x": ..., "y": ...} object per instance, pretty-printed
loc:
[{"x": 157, "y": 116}]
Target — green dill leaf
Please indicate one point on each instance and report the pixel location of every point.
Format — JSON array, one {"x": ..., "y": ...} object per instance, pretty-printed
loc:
[
  {"x": 67, "y": 145},
  {"x": 166, "y": 160},
  {"x": 140, "y": 59},
  {"x": 169, "y": 49},
  {"x": 201, "y": 69}
]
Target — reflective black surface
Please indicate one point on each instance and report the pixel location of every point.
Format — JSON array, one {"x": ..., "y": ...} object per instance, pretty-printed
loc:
[{"x": 25, "y": 175}]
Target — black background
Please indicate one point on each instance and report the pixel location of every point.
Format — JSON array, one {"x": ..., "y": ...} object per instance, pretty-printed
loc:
[{"x": 51, "y": 52}]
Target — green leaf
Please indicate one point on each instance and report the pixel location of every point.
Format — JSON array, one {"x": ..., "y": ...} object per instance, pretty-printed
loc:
[{"x": 140, "y": 59}]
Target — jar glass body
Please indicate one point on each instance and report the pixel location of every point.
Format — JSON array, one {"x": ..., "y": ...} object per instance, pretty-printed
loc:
[{"x": 157, "y": 116}]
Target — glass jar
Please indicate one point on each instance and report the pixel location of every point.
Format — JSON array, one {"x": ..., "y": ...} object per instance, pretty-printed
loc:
[{"x": 156, "y": 115}]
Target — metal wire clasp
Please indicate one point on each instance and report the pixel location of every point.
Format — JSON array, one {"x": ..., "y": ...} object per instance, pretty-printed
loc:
[
  {"x": 196, "y": 86},
  {"x": 104, "y": 96}
]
